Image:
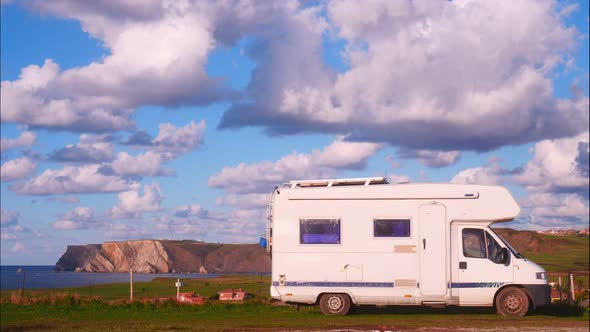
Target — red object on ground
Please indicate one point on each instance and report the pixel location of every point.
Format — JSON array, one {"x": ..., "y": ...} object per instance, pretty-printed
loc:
[
  {"x": 190, "y": 298},
  {"x": 232, "y": 295}
]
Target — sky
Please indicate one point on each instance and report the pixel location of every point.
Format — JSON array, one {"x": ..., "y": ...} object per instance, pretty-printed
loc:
[{"x": 158, "y": 119}]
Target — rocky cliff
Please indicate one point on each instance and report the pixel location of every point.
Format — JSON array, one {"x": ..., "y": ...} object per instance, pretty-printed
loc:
[{"x": 164, "y": 256}]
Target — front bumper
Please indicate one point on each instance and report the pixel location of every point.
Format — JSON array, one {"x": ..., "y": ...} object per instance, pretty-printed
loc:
[{"x": 540, "y": 294}]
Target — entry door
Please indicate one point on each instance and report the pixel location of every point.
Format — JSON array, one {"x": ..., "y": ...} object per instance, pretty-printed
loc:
[{"x": 433, "y": 250}]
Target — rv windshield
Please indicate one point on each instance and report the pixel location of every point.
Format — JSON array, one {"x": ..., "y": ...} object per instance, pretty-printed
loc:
[{"x": 514, "y": 252}]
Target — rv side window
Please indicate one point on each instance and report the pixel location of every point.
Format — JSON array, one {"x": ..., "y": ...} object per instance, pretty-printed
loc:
[
  {"x": 391, "y": 227},
  {"x": 474, "y": 244},
  {"x": 319, "y": 231}
]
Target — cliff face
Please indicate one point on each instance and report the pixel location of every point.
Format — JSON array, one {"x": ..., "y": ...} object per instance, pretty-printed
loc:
[{"x": 164, "y": 256}]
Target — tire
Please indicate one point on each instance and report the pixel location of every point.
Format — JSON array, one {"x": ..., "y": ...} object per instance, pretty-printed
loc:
[
  {"x": 335, "y": 304},
  {"x": 512, "y": 302}
]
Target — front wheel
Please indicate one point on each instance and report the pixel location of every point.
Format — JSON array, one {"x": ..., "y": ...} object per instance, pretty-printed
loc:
[
  {"x": 335, "y": 304},
  {"x": 512, "y": 302}
]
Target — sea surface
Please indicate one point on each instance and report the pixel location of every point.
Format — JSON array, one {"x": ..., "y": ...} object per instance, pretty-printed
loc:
[{"x": 43, "y": 276}]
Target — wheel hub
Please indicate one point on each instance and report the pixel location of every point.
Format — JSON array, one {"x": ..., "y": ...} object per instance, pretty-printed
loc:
[
  {"x": 512, "y": 303},
  {"x": 335, "y": 303}
]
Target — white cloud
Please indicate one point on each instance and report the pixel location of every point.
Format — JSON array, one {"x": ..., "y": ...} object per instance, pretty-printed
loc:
[
  {"x": 17, "y": 169},
  {"x": 550, "y": 210},
  {"x": 558, "y": 165},
  {"x": 70, "y": 179},
  {"x": 431, "y": 75},
  {"x": 8, "y": 218},
  {"x": 19, "y": 248},
  {"x": 132, "y": 204},
  {"x": 78, "y": 218},
  {"x": 490, "y": 174},
  {"x": 557, "y": 182},
  {"x": 245, "y": 200},
  {"x": 26, "y": 139},
  {"x": 29, "y": 100},
  {"x": 156, "y": 55},
  {"x": 430, "y": 158},
  {"x": 263, "y": 176},
  {"x": 191, "y": 210},
  {"x": 91, "y": 149},
  {"x": 176, "y": 141},
  {"x": 145, "y": 164}
]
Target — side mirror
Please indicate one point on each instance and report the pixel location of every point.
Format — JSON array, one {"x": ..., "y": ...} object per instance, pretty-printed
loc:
[
  {"x": 263, "y": 242},
  {"x": 505, "y": 256}
]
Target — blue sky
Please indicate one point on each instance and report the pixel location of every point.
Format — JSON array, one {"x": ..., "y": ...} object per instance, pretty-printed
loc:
[{"x": 176, "y": 120}]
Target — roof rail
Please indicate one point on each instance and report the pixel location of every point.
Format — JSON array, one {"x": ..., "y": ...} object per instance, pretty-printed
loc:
[{"x": 337, "y": 182}]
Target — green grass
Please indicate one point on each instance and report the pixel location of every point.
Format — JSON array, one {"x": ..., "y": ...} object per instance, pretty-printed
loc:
[
  {"x": 570, "y": 254},
  {"x": 148, "y": 317},
  {"x": 258, "y": 286},
  {"x": 86, "y": 309}
]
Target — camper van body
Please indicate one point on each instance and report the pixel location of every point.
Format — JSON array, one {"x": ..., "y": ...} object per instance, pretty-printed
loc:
[{"x": 371, "y": 243}]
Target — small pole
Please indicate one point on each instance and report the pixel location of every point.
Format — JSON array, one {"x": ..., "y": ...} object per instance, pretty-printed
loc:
[
  {"x": 572, "y": 293},
  {"x": 177, "y": 289},
  {"x": 560, "y": 290},
  {"x": 131, "y": 285},
  {"x": 22, "y": 293}
]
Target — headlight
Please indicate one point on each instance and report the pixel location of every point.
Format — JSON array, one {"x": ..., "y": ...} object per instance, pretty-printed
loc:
[{"x": 542, "y": 275}]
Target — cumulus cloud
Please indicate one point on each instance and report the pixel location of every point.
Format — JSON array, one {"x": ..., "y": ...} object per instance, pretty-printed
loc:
[
  {"x": 78, "y": 218},
  {"x": 559, "y": 165},
  {"x": 17, "y": 169},
  {"x": 72, "y": 180},
  {"x": 176, "y": 141},
  {"x": 547, "y": 210},
  {"x": 26, "y": 139},
  {"x": 556, "y": 179},
  {"x": 430, "y": 158},
  {"x": 8, "y": 218},
  {"x": 132, "y": 203},
  {"x": 191, "y": 210},
  {"x": 91, "y": 149},
  {"x": 245, "y": 200},
  {"x": 490, "y": 174},
  {"x": 442, "y": 76},
  {"x": 31, "y": 100},
  {"x": 145, "y": 164},
  {"x": 263, "y": 176},
  {"x": 155, "y": 59},
  {"x": 19, "y": 248}
]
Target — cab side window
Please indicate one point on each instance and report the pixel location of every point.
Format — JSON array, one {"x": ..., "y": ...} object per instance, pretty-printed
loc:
[
  {"x": 493, "y": 249},
  {"x": 474, "y": 243}
]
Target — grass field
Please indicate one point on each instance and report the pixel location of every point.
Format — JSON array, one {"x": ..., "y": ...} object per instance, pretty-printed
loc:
[
  {"x": 104, "y": 308},
  {"x": 569, "y": 254}
]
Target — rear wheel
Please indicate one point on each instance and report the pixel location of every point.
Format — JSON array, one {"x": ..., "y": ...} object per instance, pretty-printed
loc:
[
  {"x": 512, "y": 302},
  {"x": 335, "y": 304}
]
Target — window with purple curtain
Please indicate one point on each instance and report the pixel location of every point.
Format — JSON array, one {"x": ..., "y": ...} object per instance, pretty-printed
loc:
[
  {"x": 319, "y": 231},
  {"x": 391, "y": 227}
]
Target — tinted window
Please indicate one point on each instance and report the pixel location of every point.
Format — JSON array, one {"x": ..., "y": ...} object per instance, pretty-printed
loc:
[
  {"x": 319, "y": 231},
  {"x": 474, "y": 243},
  {"x": 391, "y": 228}
]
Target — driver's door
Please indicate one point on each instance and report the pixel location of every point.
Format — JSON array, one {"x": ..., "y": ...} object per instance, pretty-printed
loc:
[{"x": 481, "y": 266}]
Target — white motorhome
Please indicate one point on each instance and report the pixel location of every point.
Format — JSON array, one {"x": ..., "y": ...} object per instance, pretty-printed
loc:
[{"x": 345, "y": 242}]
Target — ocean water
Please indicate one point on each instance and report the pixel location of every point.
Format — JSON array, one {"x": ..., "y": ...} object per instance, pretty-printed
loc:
[{"x": 43, "y": 276}]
